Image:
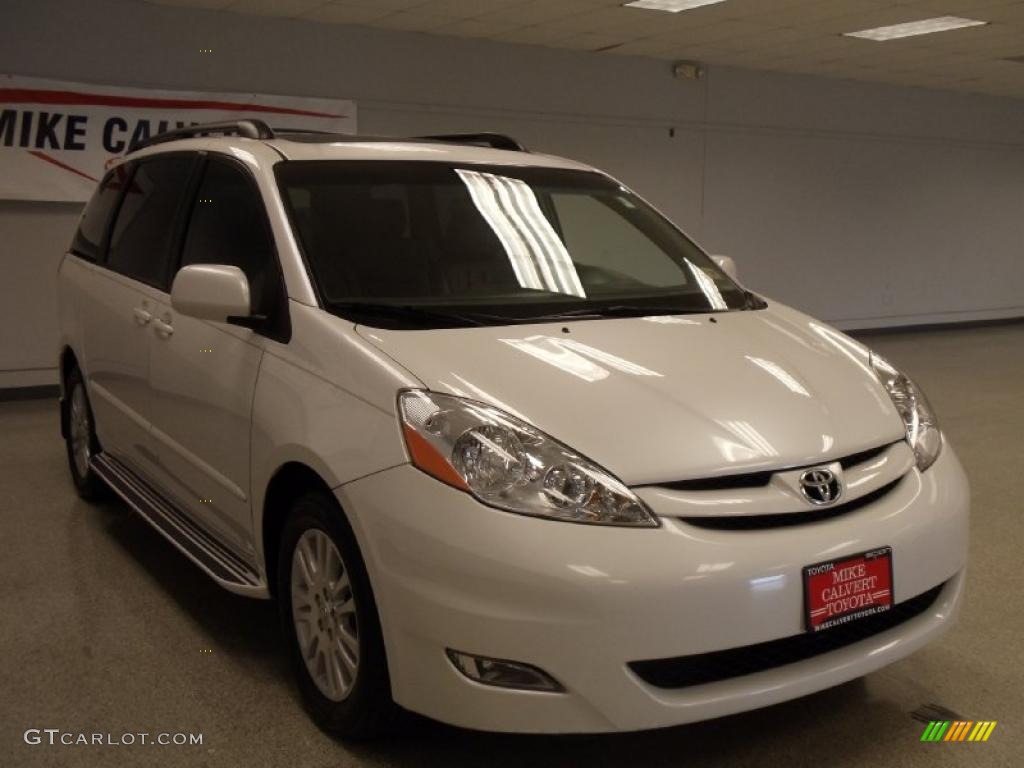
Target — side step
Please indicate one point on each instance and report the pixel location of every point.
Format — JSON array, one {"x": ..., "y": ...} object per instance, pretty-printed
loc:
[{"x": 220, "y": 564}]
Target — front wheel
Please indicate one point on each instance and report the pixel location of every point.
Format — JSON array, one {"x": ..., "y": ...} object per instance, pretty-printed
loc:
[
  {"x": 81, "y": 439},
  {"x": 330, "y": 619}
]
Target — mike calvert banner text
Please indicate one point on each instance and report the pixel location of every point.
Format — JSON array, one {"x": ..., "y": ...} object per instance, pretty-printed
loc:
[{"x": 56, "y": 137}]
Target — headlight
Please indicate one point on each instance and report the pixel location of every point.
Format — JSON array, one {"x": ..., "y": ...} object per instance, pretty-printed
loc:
[
  {"x": 915, "y": 410},
  {"x": 506, "y": 463}
]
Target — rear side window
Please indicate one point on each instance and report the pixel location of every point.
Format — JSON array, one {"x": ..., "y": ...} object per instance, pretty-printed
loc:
[
  {"x": 96, "y": 217},
  {"x": 228, "y": 226},
  {"x": 141, "y": 243}
]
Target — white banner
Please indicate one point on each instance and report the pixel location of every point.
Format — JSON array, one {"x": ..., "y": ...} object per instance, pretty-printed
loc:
[{"x": 56, "y": 137}]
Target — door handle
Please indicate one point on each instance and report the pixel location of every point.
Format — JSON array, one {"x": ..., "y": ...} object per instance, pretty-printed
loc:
[
  {"x": 142, "y": 317},
  {"x": 163, "y": 330}
]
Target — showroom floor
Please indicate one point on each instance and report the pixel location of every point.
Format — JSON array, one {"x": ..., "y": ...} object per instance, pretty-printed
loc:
[{"x": 106, "y": 628}]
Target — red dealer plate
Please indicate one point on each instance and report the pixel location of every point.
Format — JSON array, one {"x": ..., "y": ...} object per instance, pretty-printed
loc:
[{"x": 840, "y": 591}]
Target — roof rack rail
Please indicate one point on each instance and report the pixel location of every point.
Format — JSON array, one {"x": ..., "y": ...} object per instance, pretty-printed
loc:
[
  {"x": 250, "y": 129},
  {"x": 257, "y": 129},
  {"x": 277, "y": 131},
  {"x": 494, "y": 140}
]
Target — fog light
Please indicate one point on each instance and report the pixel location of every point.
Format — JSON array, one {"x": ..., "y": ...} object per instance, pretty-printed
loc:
[{"x": 505, "y": 674}]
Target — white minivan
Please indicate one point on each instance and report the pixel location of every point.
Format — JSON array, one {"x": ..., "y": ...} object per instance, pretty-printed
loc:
[{"x": 506, "y": 446}]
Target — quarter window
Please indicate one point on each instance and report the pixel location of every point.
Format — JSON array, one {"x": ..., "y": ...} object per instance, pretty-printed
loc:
[{"x": 96, "y": 217}]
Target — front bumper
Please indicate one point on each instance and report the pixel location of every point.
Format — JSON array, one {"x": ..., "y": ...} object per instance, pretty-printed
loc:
[{"x": 580, "y": 602}]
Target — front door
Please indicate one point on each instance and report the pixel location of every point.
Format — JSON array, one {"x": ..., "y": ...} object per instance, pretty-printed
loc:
[
  {"x": 202, "y": 379},
  {"x": 203, "y": 374}
]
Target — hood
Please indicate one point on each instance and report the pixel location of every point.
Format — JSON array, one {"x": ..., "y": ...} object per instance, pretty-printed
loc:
[{"x": 658, "y": 399}]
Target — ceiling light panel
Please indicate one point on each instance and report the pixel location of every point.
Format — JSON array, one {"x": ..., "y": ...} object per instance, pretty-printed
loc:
[
  {"x": 670, "y": 6},
  {"x": 912, "y": 28}
]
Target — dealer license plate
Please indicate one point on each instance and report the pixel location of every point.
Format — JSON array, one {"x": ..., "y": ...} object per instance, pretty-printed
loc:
[{"x": 837, "y": 592}]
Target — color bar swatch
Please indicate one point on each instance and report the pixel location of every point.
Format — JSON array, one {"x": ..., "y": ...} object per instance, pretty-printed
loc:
[{"x": 958, "y": 730}]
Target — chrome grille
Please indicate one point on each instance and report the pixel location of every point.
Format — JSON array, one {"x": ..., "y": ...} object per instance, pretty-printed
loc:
[{"x": 773, "y": 498}]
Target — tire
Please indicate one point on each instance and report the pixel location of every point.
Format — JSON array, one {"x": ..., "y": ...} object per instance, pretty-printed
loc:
[
  {"x": 348, "y": 698},
  {"x": 81, "y": 440}
]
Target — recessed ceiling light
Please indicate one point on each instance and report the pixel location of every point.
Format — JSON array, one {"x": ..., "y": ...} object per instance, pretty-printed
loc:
[
  {"x": 911, "y": 28},
  {"x": 670, "y": 6}
]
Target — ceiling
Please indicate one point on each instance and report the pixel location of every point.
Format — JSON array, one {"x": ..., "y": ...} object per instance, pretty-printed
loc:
[{"x": 801, "y": 36}]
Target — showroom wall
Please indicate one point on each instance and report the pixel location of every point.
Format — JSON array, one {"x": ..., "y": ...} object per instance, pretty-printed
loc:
[{"x": 865, "y": 204}]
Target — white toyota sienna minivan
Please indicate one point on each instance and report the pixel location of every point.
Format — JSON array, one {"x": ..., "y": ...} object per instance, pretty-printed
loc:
[{"x": 506, "y": 446}]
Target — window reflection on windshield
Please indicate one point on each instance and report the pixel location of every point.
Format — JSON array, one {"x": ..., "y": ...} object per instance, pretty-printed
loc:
[
  {"x": 707, "y": 285},
  {"x": 534, "y": 249}
]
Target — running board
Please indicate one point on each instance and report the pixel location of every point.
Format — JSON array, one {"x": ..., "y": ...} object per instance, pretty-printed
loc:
[{"x": 220, "y": 564}]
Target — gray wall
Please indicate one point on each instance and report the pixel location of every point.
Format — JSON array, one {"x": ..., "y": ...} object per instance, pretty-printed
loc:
[{"x": 863, "y": 204}]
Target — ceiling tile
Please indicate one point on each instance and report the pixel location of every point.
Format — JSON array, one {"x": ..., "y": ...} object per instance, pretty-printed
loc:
[
  {"x": 799, "y": 36},
  {"x": 764, "y": 37},
  {"x": 540, "y": 11},
  {"x": 1012, "y": 13},
  {"x": 470, "y": 8},
  {"x": 344, "y": 13},
  {"x": 473, "y": 28},
  {"x": 975, "y": 9},
  {"x": 417, "y": 19},
  {"x": 612, "y": 19},
  {"x": 382, "y": 5},
  {"x": 533, "y": 35},
  {"x": 273, "y": 7},
  {"x": 807, "y": 13},
  {"x": 208, "y": 4}
]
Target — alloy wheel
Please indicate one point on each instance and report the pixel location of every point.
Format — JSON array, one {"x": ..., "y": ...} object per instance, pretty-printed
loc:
[
  {"x": 324, "y": 614},
  {"x": 81, "y": 431}
]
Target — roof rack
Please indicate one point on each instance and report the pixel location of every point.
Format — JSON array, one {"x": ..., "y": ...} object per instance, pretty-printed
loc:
[
  {"x": 278, "y": 131},
  {"x": 494, "y": 140},
  {"x": 250, "y": 129},
  {"x": 257, "y": 129}
]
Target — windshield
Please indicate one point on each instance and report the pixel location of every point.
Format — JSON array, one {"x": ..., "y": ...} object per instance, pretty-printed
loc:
[{"x": 425, "y": 244}]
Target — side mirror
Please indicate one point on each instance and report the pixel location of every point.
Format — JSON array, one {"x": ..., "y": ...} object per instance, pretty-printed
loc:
[
  {"x": 727, "y": 265},
  {"x": 214, "y": 292}
]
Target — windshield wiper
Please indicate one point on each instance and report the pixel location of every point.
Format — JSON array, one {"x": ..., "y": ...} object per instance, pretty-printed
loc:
[
  {"x": 421, "y": 312},
  {"x": 615, "y": 310},
  {"x": 418, "y": 312}
]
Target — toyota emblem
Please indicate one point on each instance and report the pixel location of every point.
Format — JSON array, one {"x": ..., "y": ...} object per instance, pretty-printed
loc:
[{"x": 820, "y": 486}]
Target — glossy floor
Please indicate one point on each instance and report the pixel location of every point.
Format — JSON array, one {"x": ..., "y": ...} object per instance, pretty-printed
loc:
[{"x": 106, "y": 628}]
